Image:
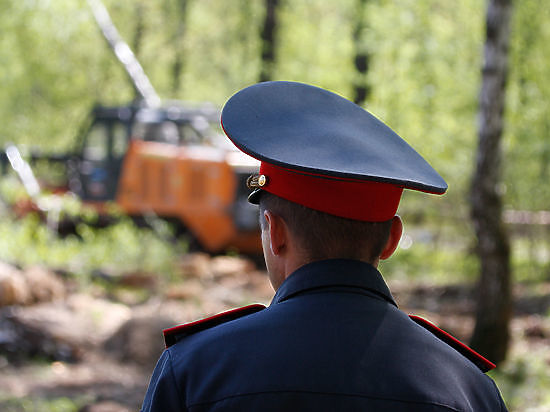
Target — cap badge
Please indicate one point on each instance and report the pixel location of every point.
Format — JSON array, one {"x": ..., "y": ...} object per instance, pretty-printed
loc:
[{"x": 256, "y": 181}]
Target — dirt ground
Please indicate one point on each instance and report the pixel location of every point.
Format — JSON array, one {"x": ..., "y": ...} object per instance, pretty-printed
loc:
[{"x": 111, "y": 373}]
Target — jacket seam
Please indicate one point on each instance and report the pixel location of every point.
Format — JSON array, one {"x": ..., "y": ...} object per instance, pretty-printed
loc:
[
  {"x": 172, "y": 373},
  {"x": 324, "y": 393}
]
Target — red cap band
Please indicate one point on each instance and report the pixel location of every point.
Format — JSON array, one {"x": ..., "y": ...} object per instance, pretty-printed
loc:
[{"x": 353, "y": 199}]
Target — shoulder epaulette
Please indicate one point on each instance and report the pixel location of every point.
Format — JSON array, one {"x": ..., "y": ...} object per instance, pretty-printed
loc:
[
  {"x": 177, "y": 333},
  {"x": 484, "y": 364}
]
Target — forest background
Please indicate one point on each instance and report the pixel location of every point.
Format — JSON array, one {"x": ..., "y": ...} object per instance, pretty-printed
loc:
[{"x": 424, "y": 76}]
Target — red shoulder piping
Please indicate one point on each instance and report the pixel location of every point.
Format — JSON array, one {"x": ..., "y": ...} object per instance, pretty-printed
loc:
[
  {"x": 176, "y": 333},
  {"x": 484, "y": 364}
]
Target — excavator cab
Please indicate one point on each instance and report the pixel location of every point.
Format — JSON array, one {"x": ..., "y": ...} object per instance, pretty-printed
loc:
[
  {"x": 96, "y": 170},
  {"x": 104, "y": 144}
]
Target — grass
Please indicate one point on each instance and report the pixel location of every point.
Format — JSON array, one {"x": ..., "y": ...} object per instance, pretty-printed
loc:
[
  {"x": 11, "y": 404},
  {"x": 524, "y": 380},
  {"x": 119, "y": 248}
]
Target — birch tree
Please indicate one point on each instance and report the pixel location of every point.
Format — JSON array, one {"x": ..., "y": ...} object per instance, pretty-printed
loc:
[{"x": 494, "y": 306}]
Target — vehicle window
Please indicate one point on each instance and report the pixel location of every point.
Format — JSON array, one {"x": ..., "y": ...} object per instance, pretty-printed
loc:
[
  {"x": 168, "y": 132},
  {"x": 120, "y": 142},
  {"x": 96, "y": 143},
  {"x": 156, "y": 132},
  {"x": 189, "y": 134}
]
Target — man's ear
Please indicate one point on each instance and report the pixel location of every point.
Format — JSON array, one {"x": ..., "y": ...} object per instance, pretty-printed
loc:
[
  {"x": 393, "y": 240},
  {"x": 277, "y": 232}
]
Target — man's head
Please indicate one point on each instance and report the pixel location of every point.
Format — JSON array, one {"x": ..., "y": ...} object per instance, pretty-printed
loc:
[
  {"x": 293, "y": 235},
  {"x": 340, "y": 170}
]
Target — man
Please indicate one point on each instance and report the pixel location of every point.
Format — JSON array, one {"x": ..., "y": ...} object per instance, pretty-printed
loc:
[{"x": 333, "y": 339}]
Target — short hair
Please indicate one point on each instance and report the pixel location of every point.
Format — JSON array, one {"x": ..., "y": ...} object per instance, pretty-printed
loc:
[{"x": 324, "y": 236}]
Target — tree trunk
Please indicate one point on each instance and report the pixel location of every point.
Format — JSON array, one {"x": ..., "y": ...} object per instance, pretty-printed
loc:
[
  {"x": 269, "y": 40},
  {"x": 177, "y": 66},
  {"x": 137, "y": 40},
  {"x": 361, "y": 88},
  {"x": 494, "y": 306}
]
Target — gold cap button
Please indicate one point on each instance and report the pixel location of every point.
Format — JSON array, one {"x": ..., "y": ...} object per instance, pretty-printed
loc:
[{"x": 262, "y": 180}]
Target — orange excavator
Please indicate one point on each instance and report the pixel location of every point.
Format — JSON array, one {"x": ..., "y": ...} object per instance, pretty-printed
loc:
[{"x": 169, "y": 162}]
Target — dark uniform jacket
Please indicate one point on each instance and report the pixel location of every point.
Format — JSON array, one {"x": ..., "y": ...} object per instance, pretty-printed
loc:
[{"x": 331, "y": 340}]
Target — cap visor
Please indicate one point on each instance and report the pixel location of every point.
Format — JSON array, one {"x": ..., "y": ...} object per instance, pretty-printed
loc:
[{"x": 254, "y": 197}]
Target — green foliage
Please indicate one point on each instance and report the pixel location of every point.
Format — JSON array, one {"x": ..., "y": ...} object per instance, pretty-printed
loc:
[
  {"x": 12, "y": 404},
  {"x": 223, "y": 48},
  {"x": 527, "y": 152},
  {"x": 52, "y": 72},
  {"x": 119, "y": 248},
  {"x": 315, "y": 44},
  {"x": 524, "y": 381},
  {"x": 531, "y": 256},
  {"x": 433, "y": 253}
]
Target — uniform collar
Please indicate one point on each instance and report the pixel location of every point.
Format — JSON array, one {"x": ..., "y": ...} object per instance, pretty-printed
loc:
[{"x": 334, "y": 273}]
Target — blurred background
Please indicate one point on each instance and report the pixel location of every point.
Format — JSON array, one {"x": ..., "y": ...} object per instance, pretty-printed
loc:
[{"x": 122, "y": 206}]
